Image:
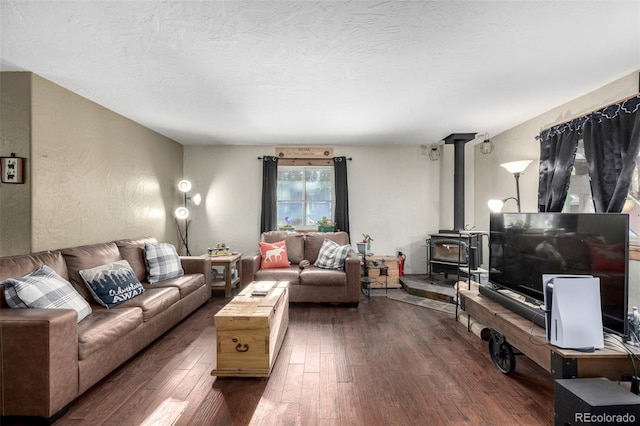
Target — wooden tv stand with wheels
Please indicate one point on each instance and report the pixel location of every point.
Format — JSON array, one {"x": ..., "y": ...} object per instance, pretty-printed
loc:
[{"x": 504, "y": 328}]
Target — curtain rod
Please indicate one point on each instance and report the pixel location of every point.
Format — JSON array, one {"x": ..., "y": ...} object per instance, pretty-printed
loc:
[
  {"x": 308, "y": 159},
  {"x": 591, "y": 112}
]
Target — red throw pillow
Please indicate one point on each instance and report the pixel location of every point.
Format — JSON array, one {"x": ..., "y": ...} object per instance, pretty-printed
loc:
[{"x": 274, "y": 255}]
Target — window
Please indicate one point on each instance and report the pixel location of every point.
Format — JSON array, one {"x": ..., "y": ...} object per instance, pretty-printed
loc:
[
  {"x": 579, "y": 199},
  {"x": 305, "y": 195}
]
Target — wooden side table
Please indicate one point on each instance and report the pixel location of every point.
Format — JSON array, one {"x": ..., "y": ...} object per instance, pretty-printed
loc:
[
  {"x": 391, "y": 262},
  {"x": 367, "y": 279},
  {"x": 227, "y": 262}
]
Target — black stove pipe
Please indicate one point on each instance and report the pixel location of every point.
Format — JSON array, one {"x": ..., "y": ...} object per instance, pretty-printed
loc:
[{"x": 458, "y": 140}]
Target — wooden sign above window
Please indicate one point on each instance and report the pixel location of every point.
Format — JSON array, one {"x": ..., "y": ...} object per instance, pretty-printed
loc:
[{"x": 304, "y": 156}]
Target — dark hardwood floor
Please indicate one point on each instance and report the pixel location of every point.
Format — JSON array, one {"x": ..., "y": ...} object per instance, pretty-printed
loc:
[{"x": 383, "y": 363}]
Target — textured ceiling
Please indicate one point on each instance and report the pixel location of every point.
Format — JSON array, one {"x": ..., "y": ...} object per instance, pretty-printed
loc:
[{"x": 323, "y": 72}]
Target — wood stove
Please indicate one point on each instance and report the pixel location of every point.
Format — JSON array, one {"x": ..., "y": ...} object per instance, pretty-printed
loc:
[{"x": 449, "y": 250}]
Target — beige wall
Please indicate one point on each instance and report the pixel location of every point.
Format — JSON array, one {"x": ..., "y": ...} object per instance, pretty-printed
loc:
[
  {"x": 15, "y": 134},
  {"x": 519, "y": 143},
  {"x": 393, "y": 192},
  {"x": 95, "y": 175}
]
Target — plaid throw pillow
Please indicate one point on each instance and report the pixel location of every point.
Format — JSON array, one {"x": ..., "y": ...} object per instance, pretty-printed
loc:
[
  {"x": 44, "y": 289},
  {"x": 112, "y": 284},
  {"x": 162, "y": 262},
  {"x": 332, "y": 255}
]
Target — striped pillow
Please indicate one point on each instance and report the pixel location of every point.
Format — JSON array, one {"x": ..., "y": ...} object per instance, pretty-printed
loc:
[
  {"x": 332, "y": 255},
  {"x": 44, "y": 289},
  {"x": 162, "y": 262}
]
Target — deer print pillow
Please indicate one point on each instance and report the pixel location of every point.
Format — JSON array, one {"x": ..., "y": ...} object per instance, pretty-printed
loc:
[{"x": 274, "y": 255}]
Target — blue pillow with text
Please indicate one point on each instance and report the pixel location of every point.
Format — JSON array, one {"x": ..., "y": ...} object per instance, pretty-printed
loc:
[{"x": 112, "y": 284}]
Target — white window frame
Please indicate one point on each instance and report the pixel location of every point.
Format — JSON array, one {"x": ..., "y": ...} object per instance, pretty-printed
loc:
[{"x": 304, "y": 201}]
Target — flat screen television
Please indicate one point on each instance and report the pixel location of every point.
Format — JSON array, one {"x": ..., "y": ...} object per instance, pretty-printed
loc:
[{"x": 523, "y": 246}]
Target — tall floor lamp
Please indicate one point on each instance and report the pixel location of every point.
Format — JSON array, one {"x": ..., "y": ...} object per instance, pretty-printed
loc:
[
  {"x": 182, "y": 213},
  {"x": 517, "y": 168}
]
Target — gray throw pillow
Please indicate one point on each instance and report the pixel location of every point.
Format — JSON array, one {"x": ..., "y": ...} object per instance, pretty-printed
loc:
[
  {"x": 44, "y": 289},
  {"x": 332, "y": 255},
  {"x": 162, "y": 262}
]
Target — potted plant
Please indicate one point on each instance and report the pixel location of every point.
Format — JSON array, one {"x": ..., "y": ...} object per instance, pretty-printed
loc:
[
  {"x": 365, "y": 245},
  {"x": 366, "y": 238},
  {"x": 326, "y": 225},
  {"x": 287, "y": 226}
]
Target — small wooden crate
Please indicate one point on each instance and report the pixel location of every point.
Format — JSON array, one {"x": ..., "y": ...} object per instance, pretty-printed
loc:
[
  {"x": 250, "y": 330},
  {"x": 390, "y": 262}
]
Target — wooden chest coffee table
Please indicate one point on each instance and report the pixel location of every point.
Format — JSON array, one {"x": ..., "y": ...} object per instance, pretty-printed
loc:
[{"x": 250, "y": 330}]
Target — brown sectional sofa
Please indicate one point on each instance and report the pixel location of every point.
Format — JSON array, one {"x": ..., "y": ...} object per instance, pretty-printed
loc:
[
  {"x": 48, "y": 359},
  {"x": 311, "y": 284}
]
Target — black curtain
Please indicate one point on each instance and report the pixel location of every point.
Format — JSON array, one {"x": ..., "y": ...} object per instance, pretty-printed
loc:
[
  {"x": 558, "y": 147},
  {"x": 611, "y": 144},
  {"x": 342, "y": 194},
  {"x": 269, "y": 216}
]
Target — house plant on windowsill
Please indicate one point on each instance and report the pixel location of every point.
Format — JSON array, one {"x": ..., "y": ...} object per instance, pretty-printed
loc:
[
  {"x": 287, "y": 226},
  {"x": 326, "y": 225}
]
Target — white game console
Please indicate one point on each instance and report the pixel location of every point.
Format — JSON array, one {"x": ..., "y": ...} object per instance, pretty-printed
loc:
[{"x": 573, "y": 311}]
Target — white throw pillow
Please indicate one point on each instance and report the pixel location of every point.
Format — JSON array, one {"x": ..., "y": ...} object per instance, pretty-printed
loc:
[
  {"x": 332, "y": 255},
  {"x": 162, "y": 262},
  {"x": 44, "y": 289}
]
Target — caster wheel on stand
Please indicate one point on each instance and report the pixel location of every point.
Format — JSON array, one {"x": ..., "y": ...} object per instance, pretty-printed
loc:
[{"x": 501, "y": 353}]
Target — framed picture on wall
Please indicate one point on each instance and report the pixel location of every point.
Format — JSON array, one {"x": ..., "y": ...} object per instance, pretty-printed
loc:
[{"x": 12, "y": 169}]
